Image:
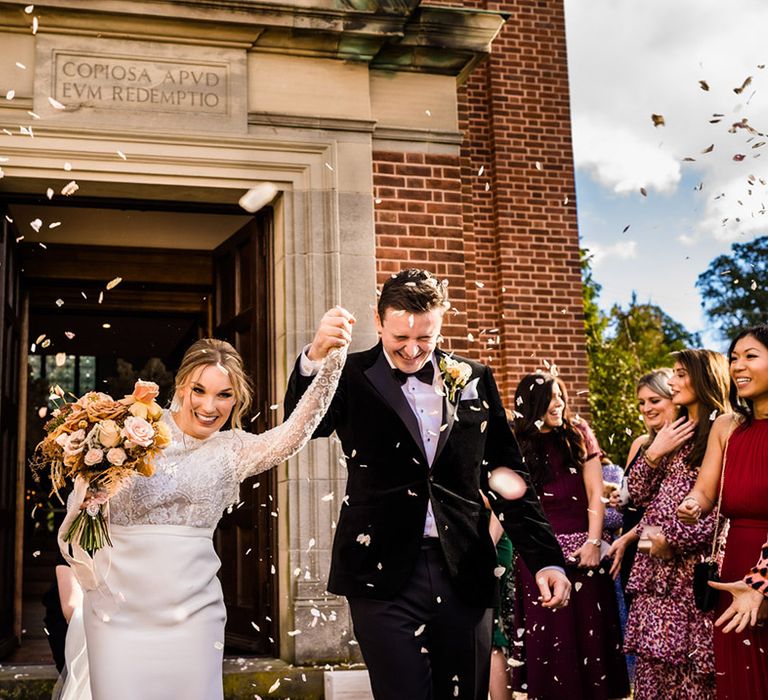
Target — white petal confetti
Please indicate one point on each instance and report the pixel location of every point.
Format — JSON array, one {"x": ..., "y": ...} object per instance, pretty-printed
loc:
[
  {"x": 36, "y": 224},
  {"x": 55, "y": 103},
  {"x": 364, "y": 539},
  {"x": 10, "y": 94},
  {"x": 114, "y": 282},
  {"x": 419, "y": 630},
  {"x": 70, "y": 188}
]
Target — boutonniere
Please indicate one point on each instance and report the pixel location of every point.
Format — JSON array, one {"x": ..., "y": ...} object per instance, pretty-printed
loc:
[{"x": 455, "y": 375}]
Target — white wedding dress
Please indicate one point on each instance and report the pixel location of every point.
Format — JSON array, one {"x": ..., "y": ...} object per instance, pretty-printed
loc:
[{"x": 153, "y": 610}]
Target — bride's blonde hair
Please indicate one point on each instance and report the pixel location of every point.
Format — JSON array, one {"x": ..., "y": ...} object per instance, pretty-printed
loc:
[{"x": 210, "y": 351}]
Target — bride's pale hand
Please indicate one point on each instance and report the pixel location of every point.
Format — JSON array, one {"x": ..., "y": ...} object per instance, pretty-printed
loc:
[{"x": 334, "y": 331}]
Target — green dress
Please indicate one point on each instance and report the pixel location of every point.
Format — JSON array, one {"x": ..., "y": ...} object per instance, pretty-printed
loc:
[{"x": 503, "y": 613}]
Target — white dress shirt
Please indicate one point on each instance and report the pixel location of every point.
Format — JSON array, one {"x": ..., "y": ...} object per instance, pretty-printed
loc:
[{"x": 426, "y": 404}]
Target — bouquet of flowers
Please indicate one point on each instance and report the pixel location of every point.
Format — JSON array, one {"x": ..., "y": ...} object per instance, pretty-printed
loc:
[{"x": 102, "y": 441}]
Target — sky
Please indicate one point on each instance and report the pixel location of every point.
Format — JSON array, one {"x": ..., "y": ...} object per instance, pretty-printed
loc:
[{"x": 629, "y": 60}]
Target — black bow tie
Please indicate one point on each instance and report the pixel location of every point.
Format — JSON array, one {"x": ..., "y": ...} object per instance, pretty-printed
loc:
[{"x": 426, "y": 374}]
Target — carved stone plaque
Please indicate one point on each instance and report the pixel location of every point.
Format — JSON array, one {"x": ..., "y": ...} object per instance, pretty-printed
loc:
[{"x": 136, "y": 84}]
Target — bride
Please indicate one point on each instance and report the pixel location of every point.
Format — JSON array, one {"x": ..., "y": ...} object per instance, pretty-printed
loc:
[{"x": 153, "y": 609}]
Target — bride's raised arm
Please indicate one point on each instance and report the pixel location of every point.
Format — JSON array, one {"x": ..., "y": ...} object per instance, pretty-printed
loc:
[{"x": 257, "y": 453}]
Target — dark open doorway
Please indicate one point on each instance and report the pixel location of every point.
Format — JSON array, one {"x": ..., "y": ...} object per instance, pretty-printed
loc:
[{"x": 83, "y": 336}]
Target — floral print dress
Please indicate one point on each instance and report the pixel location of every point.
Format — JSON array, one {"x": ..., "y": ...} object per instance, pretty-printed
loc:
[{"x": 671, "y": 638}]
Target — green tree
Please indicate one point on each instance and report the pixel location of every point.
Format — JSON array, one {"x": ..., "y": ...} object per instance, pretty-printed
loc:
[
  {"x": 622, "y": 345},
  {"x": 734, "y": 288}
]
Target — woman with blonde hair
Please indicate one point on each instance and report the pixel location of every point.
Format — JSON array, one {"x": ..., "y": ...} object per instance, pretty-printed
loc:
[
  {"x": 153, "y": 609},
  {"x": 670, "y": 637},
  {"x": 654, "y": 400}
]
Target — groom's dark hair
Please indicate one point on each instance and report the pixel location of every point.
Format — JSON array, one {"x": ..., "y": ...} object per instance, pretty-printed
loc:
[{"x": 412, "y": 290}]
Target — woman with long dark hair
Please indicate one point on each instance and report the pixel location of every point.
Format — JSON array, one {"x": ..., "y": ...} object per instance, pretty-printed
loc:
[
  {"x": 742, "y": 437},
  {"x": 576, "y": 652},
  {"x": 670, "y": 637}
]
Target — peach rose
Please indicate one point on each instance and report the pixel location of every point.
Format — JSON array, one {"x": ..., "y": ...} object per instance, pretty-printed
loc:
[
  {"x": 139, "y": 410},
  {"x": 94, "y": 456},
  {"x": 154, "y": 410},
  {"x": 162, "y": 435},
  {"x": 61, "y": 439},
  {"x": 138, "y": 431},
  {"x": 145, "y": 392},
  {"x": 116, "y": 456},
  {"x": 95, "y": 404},
  {"x": 109, "y": 433}
]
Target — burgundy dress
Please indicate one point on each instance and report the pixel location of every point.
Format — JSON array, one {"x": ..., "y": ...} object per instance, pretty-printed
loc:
[
  {"x": 741, "y": 664},
  {"x": 575, "y": 652}
]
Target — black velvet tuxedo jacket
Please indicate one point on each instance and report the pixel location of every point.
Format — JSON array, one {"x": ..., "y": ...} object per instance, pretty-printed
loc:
[{"x": 381, "y": 524}]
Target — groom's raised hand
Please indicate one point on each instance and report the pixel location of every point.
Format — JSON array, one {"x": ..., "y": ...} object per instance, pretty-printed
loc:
[{"x": 334, "y": 331}]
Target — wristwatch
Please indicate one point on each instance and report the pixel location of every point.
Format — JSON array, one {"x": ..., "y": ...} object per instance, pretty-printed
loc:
[{"x": 597, "y": 542}]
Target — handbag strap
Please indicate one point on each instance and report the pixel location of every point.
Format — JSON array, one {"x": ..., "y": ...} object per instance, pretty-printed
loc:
[{"x": 734, "y": 424}]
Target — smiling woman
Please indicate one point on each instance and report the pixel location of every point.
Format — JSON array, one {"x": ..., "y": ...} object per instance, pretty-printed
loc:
[
  {"x": 743, "y": 484},
  {"x": 156, "y": 588},
  {"x": 211, "y": 386}
]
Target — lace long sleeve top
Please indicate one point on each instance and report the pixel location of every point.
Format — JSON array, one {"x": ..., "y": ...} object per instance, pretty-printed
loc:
[{"x": 196, "y": 480}]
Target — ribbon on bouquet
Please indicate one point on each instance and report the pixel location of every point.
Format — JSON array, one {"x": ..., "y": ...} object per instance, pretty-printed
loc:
[{"x": 103, "y": 602}]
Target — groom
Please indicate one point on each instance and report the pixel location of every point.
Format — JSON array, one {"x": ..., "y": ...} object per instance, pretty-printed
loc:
[{"x": 412, "y": 552}]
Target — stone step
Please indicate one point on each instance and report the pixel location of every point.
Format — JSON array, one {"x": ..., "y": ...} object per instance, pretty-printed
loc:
[{"x": 243, "y": 678}]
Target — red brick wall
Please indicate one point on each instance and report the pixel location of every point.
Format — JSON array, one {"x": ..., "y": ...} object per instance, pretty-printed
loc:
[{"x": 506, "y": 239}]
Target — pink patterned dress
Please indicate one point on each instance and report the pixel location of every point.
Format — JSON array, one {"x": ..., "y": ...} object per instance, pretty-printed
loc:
[{"x": 671, "y": 638}]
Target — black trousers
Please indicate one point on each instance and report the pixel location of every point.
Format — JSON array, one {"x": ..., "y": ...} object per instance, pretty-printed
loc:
[{"x": 425, "y": 643}]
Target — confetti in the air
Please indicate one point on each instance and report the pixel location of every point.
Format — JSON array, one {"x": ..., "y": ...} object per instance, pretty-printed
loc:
[
  {"x": 114, "y": 282},
  {"x": 55, "y": 103},
  {"x": 658, "y": 120}
]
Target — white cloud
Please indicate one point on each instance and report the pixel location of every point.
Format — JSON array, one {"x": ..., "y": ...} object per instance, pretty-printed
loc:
[
  {"x": 629, "y": 60},
  {"x": 622, "y": 160},
  {"x": 622, "y": 250}
]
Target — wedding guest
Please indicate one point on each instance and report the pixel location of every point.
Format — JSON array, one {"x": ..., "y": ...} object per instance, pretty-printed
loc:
[
  {"x": 749, "y": 598},
  {"x": 500, "y": 687},
  {"x": 575, "y": 653},
  {"x": 670, "y": 637},
  {"x": 737, "y": 460},
  {"x": 654, "y": 400},
  {"x": 153, "y": 607},
  {"x": 412, "y": 553}
]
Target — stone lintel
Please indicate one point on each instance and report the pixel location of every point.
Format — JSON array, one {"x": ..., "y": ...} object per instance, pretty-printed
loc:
[{"x": 389, "y": 34}]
